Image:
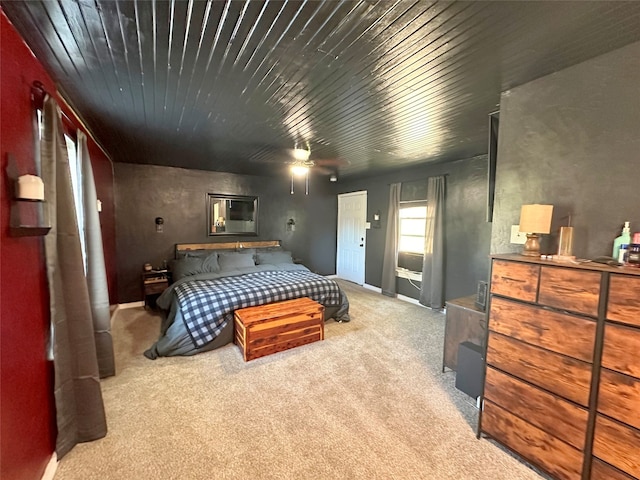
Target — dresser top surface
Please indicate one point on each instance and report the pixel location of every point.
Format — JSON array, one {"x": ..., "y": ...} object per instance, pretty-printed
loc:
[{"x": 582, "y": 264}]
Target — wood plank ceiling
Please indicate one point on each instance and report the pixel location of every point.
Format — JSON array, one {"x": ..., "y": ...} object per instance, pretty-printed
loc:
[{"x": 369, "y": 86}]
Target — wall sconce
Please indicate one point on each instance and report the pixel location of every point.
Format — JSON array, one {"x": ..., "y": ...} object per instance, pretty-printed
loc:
[
  {"x": 535, "y": 220},
  {"x": 291, "y": 225},
  {"x": 159, "y": 224},
  {"x": 376, "y": 220},
  {"x": 333, "y": 178}
]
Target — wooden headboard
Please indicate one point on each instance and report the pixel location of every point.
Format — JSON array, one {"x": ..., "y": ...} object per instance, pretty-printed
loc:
[{"x": 182, "y": 248}]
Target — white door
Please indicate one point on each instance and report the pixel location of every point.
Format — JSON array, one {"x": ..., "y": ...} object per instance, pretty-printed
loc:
[{"x": 352, "y": 217}]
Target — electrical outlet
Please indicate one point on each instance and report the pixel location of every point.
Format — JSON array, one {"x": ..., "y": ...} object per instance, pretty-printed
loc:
[{"x": 517, "y": 236}]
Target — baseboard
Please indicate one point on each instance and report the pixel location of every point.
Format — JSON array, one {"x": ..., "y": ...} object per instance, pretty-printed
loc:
[
  {"x": 331, "y": 276},
  {"x": 410, "y": 300},
  {"x": 371, "y": 287},
  {"x": 124, "y": 306},
  {"x": 52, "y": 466},
  {"x": 404, "y": 298}
]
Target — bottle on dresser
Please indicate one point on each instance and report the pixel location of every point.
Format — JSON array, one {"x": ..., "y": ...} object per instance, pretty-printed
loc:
[
  {"x": 633, "y": 251},
  {"x": 623, "y": 239}
]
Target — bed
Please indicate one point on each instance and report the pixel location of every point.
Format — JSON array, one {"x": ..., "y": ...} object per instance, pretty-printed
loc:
[{"x": 211, "y": 281}]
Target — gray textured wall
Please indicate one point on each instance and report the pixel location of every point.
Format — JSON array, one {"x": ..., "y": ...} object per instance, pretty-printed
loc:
[
  {"x": 144, "y": 192},
  {"x": 467, "y": 233},
  {"x": 572, "y": 139}
]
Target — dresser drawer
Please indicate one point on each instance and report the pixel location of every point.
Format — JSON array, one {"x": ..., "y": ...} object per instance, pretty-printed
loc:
[
  {"x": 568, "y": 289},
  {"x": 624, "y": 299},
  {"x": 548, "y": 412},
  {"x": 619, "y": 397},
  {"x": 617, "y": 444},
  {"x": 620, "y": 350},
  {"x": 553, "y": 455},
  {"x": 604, "y": 471},
  {"x": 151, "y": 288},
  {"x": 559, "y": 332},
  {"x": 515, "y": 280},
  {"x": 559, "y": 374}
]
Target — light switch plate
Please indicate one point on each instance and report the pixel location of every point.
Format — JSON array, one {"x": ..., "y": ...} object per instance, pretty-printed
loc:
[{"x": 517, "y": 236}]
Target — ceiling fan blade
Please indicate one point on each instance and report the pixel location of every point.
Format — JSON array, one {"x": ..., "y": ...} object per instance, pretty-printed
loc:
[
  {"x": 322, "y": 170},
  {"x": 331, "y": 162}
]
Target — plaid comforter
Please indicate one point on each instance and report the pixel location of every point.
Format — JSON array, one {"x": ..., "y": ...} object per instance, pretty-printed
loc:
[{"x": 207, "y": 305}]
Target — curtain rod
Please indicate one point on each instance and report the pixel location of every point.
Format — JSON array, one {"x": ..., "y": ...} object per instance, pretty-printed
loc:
[{"x": 38, "y": 94}]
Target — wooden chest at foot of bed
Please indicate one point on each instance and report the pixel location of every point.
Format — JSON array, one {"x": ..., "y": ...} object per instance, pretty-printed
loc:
[{"x": 274, "y": 327}]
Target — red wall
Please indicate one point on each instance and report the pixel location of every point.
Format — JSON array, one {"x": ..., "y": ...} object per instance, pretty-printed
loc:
[{"x": 27, "y": 411}]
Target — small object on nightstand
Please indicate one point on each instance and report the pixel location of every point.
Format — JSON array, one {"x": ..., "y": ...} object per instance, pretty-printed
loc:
[
  {"x": 154, "y": 282},
  {"x": 481, "y": 296}
]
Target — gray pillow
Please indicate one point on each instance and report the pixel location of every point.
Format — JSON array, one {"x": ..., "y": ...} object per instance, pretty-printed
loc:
[
  {"x": 193, "y": 264},
  {"x": 186, "y": 266},
  {"x": 274, "y": 258},
  {"x": 235, "y": 260},
  {"x": 269, "y": 249},
  {"x": 210, "y": 263},
  {"x": 193, "y": 254}
]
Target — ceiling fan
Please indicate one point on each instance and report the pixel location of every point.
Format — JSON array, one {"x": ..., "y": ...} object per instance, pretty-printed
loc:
[{"x": 301, "y": 162}]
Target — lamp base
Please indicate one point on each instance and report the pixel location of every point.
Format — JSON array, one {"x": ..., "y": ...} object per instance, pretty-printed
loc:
[{"x": 532, "y": 245}]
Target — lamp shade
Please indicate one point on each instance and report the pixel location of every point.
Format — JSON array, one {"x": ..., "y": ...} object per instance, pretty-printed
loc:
[{"x": 536, "y": 218}]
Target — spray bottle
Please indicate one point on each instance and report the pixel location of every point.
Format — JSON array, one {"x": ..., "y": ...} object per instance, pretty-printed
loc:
[{"x": 624, "y": 239}]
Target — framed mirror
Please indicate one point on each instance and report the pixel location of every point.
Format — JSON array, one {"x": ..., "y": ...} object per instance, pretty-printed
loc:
[{"x": 232, "y": 214}]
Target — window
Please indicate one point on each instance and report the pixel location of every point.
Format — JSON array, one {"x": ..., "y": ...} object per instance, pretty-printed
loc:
[
  {"x": 76, "y": 184},
  {"x": 413, "y": 218}
]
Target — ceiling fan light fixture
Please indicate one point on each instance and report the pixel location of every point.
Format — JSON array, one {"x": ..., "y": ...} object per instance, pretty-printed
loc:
[
  {"x": 301, "y": 154},
  {"x": 299, "y": 170}
]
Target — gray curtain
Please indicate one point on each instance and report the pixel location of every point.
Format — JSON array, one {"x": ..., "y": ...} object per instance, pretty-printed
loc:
[
  {"x": 390, "y": 260},
  {"x": 79, "y": 407},
  {"x": 96, "y": 271},
  {"x": 432, "y": 289}
]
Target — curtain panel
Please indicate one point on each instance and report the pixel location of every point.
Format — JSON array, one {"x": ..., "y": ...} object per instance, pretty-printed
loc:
[
  {"x": 390, "y": 259},
  {"x": 80, "y": 411},
  {"x": 432, "y": 288},
  {"x": 96, "y": 271}
]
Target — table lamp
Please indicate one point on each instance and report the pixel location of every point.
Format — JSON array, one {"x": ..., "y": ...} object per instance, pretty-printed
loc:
[{"x": 534, "y": 220}]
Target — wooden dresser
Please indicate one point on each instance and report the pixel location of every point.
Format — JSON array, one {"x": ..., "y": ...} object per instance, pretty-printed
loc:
[{"x": 562, "y": 381}]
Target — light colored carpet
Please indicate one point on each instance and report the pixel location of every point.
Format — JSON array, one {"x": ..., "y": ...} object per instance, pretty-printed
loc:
[{"x": 368, "y": 402}]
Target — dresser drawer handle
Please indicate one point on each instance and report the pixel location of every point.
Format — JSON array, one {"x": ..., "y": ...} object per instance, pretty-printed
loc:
[{"x": 509, "y": 279}]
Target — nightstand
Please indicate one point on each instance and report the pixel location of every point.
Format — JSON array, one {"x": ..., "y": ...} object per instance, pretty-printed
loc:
[
  {"x": 154, "y": 282},
  {"x": 465, "y": 322}
]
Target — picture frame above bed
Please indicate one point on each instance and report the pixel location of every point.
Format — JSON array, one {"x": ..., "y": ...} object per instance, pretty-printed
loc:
[{"x": 232, "y": 214}]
